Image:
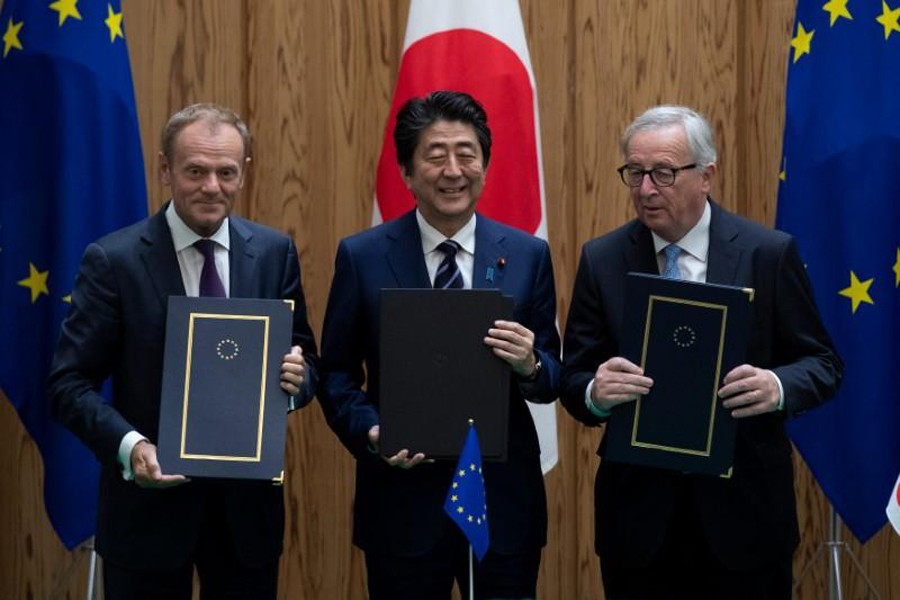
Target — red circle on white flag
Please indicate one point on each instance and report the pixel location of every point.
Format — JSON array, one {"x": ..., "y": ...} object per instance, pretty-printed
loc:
[{"x": 470, "y": 61}]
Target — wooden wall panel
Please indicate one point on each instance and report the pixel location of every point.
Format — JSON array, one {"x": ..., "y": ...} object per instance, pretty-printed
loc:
[
  {"x": 33, "y": 562},
  {"x": 764, "y": 30},
  {"x": 314, "y": 80},
  {"x": 550, "y": 42},
  {"x": 181, "y": 53}
]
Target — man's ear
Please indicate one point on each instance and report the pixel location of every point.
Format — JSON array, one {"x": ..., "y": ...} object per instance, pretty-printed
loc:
[
  {"x": 407, "y": 177},
  {"x": 709, "y": 173},
  {"x": 165, "y": 170}
]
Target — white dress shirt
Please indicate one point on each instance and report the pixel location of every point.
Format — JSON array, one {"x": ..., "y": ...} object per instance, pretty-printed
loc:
[{"x": 465, "y": 257}]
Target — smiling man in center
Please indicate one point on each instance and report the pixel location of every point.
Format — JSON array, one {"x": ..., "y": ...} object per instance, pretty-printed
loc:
[{"x": 413, "y": 550}]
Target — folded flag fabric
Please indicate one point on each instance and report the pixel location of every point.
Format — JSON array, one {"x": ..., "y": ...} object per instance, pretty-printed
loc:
[
  {"x": 72, "y": 169},
  {"x": 466, "y": 503},
  {"x": 838, "y": 197}
]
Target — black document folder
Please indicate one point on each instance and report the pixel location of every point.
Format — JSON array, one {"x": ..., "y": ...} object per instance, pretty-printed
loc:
[
  {"x": 223, "y": 412},
  {"x": 686, "y": 336},
  {"x": 436, "y": 372}
]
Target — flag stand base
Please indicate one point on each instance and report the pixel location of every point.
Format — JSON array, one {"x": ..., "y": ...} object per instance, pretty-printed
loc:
[{"x": 834, "y": 547}]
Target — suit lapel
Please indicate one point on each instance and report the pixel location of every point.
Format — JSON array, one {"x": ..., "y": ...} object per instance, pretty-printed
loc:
[
  {"x": 724, "y": 254},
  {"x": 158, "y": 256},
  {"x": 490, "y": 257},
  {"x": 404, "y": 253},
  {"x": 640, "y": 257},
  {"x": 242, "y": 261}
]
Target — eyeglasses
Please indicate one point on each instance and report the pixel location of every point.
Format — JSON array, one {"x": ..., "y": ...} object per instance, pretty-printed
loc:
[{"x": 633, "y": 176}]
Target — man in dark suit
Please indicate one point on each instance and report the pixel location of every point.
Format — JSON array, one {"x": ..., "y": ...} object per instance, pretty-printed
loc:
[
  {"x": 412, "y": 548},
  {"x": 153, "y": 526},
  {"x": 667, "y": 534}
]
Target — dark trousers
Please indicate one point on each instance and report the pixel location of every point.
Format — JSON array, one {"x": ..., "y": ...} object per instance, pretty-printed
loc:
[
  {"x": 431, "y": 576},
  {"x": 221, "y": 573},
  {"x": 686, "y": 568}
]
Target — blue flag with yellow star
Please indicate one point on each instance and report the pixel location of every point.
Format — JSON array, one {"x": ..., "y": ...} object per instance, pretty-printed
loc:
[
  {"x": 71, "y": 169},
  {"x": 840, "y": 197},
  {"x": 466, "y": 504}
]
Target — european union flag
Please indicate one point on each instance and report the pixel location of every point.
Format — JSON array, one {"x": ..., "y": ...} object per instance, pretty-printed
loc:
[
  {"x": 465, "y": 502},
  {"x": 71, "y": 169},
  {"x": 840, "y": 197}
]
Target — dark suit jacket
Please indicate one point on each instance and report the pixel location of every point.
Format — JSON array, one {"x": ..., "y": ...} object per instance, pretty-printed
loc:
[
  {"x": 399, "y": 512},
  {"x": 750, "y": 518},
  {"x": 116, "y": 327}
]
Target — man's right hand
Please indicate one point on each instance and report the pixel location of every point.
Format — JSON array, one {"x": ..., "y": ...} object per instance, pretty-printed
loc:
[
  {"x": 146, "y": 469},
  {"x": 616, "y": 381},
  {"x": 402, "y": 458}
]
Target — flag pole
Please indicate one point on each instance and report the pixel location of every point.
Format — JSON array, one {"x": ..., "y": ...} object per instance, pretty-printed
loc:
[
  {"x": 834, "y": 545},
  {"x": 471, "y": 575},
  {"x": 471, "y": 558},
  {"x": 92, "y": 574}
]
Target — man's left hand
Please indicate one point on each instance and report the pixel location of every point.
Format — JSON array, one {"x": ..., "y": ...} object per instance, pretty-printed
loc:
[
  {"x": 293, "y": 371},
  {"x": 514, "y": 343},
  {"x": 749, "y": 391}
]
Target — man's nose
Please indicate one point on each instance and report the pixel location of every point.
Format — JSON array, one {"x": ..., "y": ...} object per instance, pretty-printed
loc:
[
  {"x": 211, "y": 184},
  {"x": 647, "y": 186},
  {"x": 452, "y": 169}
]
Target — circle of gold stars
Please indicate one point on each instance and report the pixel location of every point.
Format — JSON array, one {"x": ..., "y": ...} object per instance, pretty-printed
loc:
[
  {"x": 684, "y": 336},
  {"x": 471, "y": 516},
  {"x": 227, "y": 349}
]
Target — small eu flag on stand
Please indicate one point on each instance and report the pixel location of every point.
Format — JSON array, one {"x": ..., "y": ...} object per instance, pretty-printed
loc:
[{"x": 465, "y": 503}]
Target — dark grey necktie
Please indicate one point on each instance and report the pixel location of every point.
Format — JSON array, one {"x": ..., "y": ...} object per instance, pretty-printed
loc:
[
  {"x": 210, "y": 282},
  {"x": 448, "y": 274}
]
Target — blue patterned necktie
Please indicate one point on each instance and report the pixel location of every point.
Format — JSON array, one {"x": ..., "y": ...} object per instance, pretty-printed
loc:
[
  {"x": 448, "y": 275},
  {"x": 671, "y": 270},
  {"x": 210, "y": 282}
]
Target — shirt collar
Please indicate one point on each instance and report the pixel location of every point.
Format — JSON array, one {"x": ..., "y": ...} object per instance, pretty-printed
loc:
[
  {"x": 431, "y": 237},
  {"x": 695, "y": 242},
  {"x": 183, "y": 236}
]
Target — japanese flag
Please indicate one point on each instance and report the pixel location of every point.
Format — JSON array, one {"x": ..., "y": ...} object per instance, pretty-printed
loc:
[
  {"x": 477, "y": 47},
  {"x": 893, "y": 507}
]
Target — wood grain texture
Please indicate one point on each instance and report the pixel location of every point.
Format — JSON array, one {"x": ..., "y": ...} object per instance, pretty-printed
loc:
[
  {"x": 33, "y": 562},
  {"x": 314, "y": 79},
  {"x": 551, "y": 45}
]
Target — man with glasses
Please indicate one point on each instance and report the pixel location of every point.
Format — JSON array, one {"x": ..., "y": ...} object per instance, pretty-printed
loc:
[{"x": 662, "y": 533}]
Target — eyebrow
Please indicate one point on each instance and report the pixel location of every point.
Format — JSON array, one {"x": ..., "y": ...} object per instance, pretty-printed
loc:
[{"x": 450, "y": 144}]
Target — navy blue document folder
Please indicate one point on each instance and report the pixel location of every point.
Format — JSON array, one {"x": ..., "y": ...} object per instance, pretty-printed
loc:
[
  {"x": 223, "y": 413},
  {"x": 686, "y": 336},
  {"x": 436, "y": 372}
]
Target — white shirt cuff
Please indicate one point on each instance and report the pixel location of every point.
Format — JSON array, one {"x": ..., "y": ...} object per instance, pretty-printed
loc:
[
  {"x": 589, "y": 404},
  {"x": 125, "y": 447},
  {"x": 780, "y": 405}
]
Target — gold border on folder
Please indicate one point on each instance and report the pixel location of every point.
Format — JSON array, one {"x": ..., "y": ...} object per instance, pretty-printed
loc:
[
  {"x": 713, "y": 396},
  {"x": 262, "y": 388}
]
